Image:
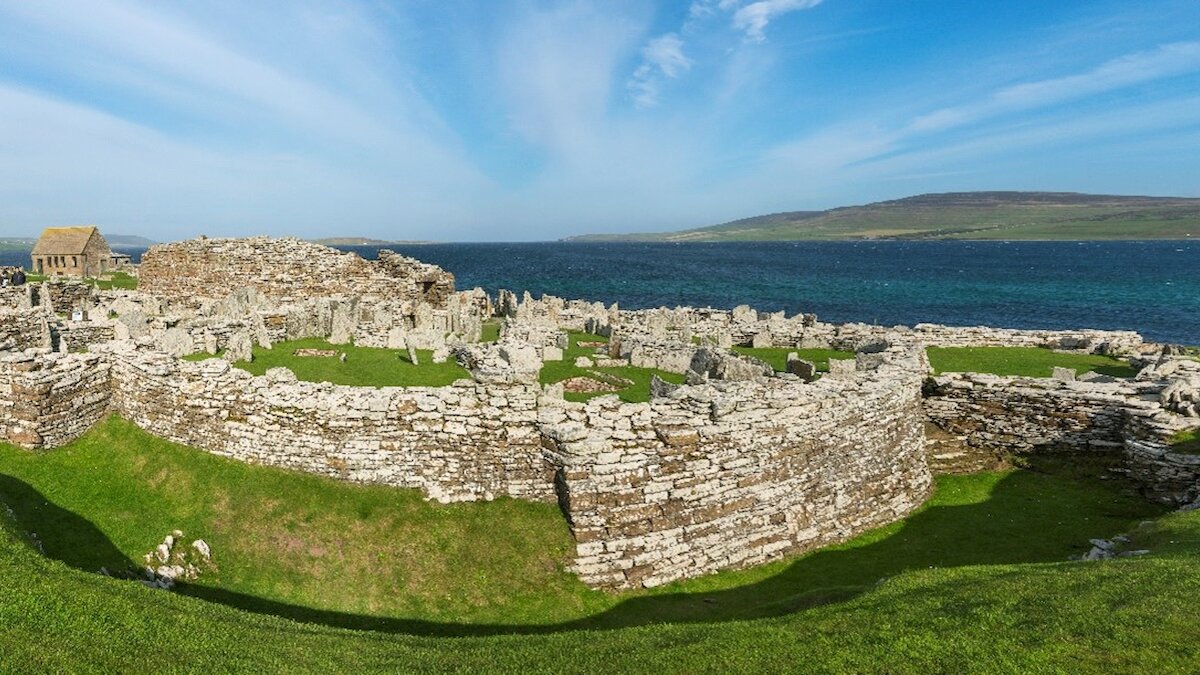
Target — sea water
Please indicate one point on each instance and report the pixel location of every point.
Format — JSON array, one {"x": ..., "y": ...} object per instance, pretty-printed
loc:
[{"x": 1152, "y": 287}]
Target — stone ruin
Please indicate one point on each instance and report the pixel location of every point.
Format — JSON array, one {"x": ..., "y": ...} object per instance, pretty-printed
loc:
[{"x": 737, "y": 466}]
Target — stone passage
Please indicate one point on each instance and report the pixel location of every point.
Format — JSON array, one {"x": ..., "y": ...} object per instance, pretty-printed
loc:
[{"x": 733, "y": 474}]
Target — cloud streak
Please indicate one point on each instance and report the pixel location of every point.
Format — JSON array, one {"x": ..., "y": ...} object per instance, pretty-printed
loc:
[
  {"x": 754, "y": 17},
  {"x": 662, "y": 57}
]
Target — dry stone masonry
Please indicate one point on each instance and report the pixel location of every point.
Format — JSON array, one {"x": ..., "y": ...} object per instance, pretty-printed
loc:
[{"x": 738, "y": 466}]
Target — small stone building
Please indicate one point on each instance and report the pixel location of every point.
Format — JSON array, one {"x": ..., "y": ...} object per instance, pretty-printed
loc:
[{"x": 72, "y": 251}]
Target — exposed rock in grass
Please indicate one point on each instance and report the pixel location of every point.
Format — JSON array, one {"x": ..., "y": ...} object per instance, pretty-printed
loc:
[{"x": 173, "y": 561}]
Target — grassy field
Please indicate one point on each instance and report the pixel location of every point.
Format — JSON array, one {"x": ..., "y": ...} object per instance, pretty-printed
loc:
[
  {"x": 976, "y": 581},
  {"x": 364, "y": 366},
  {"x": 1024, "y": 361},
  {"x": 117, "y": 280},
  {"x": 490, "y": 332},
  {"x": 638, "y": 391},
  {"x": 777, "y": 356}
]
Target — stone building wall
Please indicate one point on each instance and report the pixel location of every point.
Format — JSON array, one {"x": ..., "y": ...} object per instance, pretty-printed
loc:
[
  {"x": 48, "y": 400},
  {"x": 285, "y": 268},
  {"x": 77, "y": 336},
  {"x": 15, "y": 297},
  {"x": 22, "y": 329},
  {"x": 734, "y": 474},
  {"x": 464, "y": 442},
  {"x": 63, "y": 295},
  {"x": 1023, "y": 414}
]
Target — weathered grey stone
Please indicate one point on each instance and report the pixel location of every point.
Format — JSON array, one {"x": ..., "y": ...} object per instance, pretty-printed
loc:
[
  {"x": 1063, "y": 374},
  {"x": 177, "y": 342},
  {"x": 239, "y": 348},
  {"x": 660, "y": 387}
]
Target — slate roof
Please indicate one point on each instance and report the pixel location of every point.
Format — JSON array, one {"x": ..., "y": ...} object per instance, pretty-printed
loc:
[{"x": 63, "y": 240}]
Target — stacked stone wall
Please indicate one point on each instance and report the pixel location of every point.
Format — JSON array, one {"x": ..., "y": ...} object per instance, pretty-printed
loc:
[
  {"x": 63, "y": 295},
  {"x": 78, "y": 336},
  {"x": 724, "y": 477},
  {"x": 23, "y": 329},
  {"x": 15, "y": 297},
  {"x": 285, "y": 268},
  {"x": 51, "y": 399},
  {"x": 464, "y": 442},
  {"x": 1022, "y": 414}
]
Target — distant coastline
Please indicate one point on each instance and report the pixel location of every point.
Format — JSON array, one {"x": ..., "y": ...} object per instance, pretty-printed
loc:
[{"x": 983, "y": 216}]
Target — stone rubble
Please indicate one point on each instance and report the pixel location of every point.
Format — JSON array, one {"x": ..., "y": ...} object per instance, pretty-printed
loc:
[{"x": 738, "y": 466}]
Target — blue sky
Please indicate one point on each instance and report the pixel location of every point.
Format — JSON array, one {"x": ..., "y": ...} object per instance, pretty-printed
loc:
[{"x": 495, "y": 120}]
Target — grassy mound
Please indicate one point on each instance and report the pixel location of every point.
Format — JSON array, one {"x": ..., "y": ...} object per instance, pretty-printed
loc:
[
  {"x": 1023, "y": 361},
  {"x": 639, "y": 378},
  {"x": 989, "y": 593},
  {"x": 345, "y": 555},
  {"x": 363, "y": 367}
]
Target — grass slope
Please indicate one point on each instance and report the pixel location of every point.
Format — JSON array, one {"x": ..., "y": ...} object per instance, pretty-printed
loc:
[
  {"x": 1023, "y": 361},
  {"x": 364, "y": 366},
  {"x": 969, "y": 215},
  {"x": 639, "y": 391},
  {"x": 974, "y": 582}
]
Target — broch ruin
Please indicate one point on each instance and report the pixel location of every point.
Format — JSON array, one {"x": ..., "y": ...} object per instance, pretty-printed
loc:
[{"x": 739, "y": 465}]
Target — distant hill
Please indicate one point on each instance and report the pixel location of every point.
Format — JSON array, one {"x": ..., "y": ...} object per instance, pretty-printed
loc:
[
  {"x": 961, "y": 215},
  {"x": 363, "y": 241},
  {"x": 128, "y": 241}
]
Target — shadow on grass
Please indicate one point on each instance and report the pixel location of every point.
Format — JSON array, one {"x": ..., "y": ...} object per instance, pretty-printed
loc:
[
  {"x": 1030, "y": 516},
  {"x": 61, "y": 534},
  {"x": 1123, "y": 370}
]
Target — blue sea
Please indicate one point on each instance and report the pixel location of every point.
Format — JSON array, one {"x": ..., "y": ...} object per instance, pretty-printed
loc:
[{"x": 1152, "y": 287}]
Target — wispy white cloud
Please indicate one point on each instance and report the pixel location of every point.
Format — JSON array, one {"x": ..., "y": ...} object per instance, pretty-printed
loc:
[
  {"x": 754, "y": 17},
  {"x": 662, "y": 57},
  {"x": 1164, "y": 61}
]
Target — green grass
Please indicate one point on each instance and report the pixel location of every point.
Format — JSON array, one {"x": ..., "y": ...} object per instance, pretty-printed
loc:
[
  {"x": 1186, "y": 442},
  {"x": 1023, "y": 361},
  {"x": 364, "y": 366},
  {"x": 639, "y": 391},
  {"x": 117, "y": 280},
  {"x": 490, "y": 332},
  {"x": 777, "y": 356},
  {"x": 976, "y": 581}
]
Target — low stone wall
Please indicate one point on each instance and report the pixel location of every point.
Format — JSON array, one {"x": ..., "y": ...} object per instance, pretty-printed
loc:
[
  {"x": 15, "y": 297},
  {"x": 22, "y": 329},
  {"x": 48, "y": 400},
  {"x": 464, "y": 442},
  {"x": 727, "y": 475},
  {"x": 63, "y": 295},
  {"x": 1022, "y": 414},
  {"x": 79, "y": 335}
]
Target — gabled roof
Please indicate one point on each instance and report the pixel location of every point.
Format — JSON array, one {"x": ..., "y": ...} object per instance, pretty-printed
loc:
[{"x": 64, "y": 240}]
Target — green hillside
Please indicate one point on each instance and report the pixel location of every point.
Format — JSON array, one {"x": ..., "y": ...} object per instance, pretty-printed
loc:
[
  {"x": 963, "y": 215},
  {"x": 315, "y": 575}
]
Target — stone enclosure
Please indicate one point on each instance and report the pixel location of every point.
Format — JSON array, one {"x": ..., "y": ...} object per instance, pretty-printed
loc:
[{"x": 736, "y": 467}]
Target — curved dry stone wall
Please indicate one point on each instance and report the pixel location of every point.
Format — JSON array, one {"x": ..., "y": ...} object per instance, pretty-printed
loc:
[
  {"x": 732, "y": 474},
  {"x": 1130, "y": 419},
  {"x": 468, "y": 441}
]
